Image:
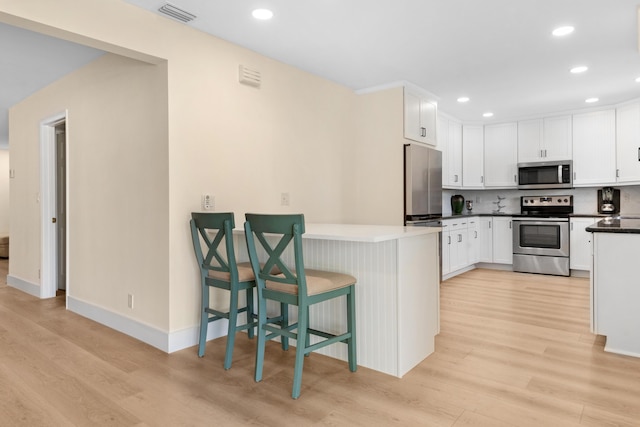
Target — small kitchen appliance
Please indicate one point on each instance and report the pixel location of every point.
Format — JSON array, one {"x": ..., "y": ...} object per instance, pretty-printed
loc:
[{"x": 608, "y": 201}]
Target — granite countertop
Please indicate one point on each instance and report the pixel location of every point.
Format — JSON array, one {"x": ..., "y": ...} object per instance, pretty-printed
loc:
[{"x": 619, "y": 224}]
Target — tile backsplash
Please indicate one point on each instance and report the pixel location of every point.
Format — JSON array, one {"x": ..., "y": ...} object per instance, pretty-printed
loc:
[{"x": 584, "y": 199}]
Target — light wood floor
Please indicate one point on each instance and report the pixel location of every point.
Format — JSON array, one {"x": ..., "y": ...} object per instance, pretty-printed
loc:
[{"x": 515, "y": 350}]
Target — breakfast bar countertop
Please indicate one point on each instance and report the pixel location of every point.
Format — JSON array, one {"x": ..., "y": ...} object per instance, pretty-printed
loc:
[{"x": 360, "y": 232}]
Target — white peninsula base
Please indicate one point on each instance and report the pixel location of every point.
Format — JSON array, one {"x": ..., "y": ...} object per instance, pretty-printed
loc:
[
  {"x": 616, "y": 291},
  {"x": 397, "y": 293}
]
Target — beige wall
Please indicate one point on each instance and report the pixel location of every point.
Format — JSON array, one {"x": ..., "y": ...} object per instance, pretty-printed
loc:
[
  {"x": 377, "y": 192},
  {"x": 241, "y": 144},
  {"x": 117, "y": 185},
  {"x": 4, "y": 191}
]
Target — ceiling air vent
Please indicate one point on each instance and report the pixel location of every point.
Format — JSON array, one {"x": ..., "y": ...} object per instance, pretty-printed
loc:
[
  {"x": 249, "y": 77},
  {"x": 176, "y": 13}
]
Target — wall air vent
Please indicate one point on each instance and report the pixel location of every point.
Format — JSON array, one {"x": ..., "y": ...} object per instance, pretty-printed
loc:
[
  {"x": 176, "y": 13},
  {"x": 249, "y": 77}
]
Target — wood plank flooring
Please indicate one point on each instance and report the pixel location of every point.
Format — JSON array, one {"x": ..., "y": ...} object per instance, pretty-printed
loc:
[{"x": 514, "y": 350}]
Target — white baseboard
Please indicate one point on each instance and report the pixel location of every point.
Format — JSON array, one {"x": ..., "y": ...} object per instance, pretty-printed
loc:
[
  {"x": 24, "y": 285},
  {"x": 165, "y": 341}
]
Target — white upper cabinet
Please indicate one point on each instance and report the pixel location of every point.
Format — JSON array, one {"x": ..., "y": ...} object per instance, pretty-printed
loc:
[
  {"x": 547, "y": 139},
  {"x": 452, "y": 153},
  {"x": 472, "y": 157},
  {"x": 420, "y": 116},
  {"x": 628, "y": 142},
  {"x": 594, "y": 148},
  {"x": 501, "y": 155}
]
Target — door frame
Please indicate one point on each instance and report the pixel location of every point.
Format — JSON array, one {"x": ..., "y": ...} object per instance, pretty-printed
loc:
[{"x": 47, "y": 198}]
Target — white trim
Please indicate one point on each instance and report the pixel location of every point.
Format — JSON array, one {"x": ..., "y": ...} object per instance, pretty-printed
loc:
[
  {"x": 162, "y": 340},
  {"x": 24, "y": 285},
  {"x": 48, "y": 270}
]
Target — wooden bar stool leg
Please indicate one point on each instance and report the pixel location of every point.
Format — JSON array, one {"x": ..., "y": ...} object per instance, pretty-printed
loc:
[
  {"x": 231, "y": 331},
  {"x": 250, "y": 312},
  {"x": 351, "y": 320},
  {"x": 284, "y": 313},
  {"x": 204, "y": 321},
  {"x": 303, "y": 324},
  {"x": 262, "y": 320}
]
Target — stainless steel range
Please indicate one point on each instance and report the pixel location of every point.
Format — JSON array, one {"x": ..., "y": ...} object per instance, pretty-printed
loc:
[{"x": 541, "y": 235}]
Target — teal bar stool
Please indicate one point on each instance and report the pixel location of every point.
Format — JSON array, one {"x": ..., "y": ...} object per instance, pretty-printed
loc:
[
  {"x": 276, "y": 234},
  {"x": 218, "y": 269}
]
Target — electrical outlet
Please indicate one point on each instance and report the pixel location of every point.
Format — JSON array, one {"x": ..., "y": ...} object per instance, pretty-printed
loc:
[
  {"x": 208, "y": 202},
  {"x": 130, "y": 300},
  {"x": 284, "y": 199}
]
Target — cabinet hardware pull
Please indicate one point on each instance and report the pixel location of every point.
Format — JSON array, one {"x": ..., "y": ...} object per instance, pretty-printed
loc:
[
  {"x": 481, "y": 179},
  {"x": 448, "y": 240},
  {"x": 476, "y": 234},
  {"x": 459, "y": 237},
  {"x": 618, "y": 172},
  {"x": 515, "y": 178},
  {"x": 423, "y": 132},
  {"x": 509, "y": 224}
]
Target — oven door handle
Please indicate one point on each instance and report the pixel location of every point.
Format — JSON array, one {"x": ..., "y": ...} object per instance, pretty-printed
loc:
[{"x": 535, "y": 221}]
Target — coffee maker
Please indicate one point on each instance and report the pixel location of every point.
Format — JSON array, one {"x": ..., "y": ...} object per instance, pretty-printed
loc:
[{"x": 608, "y": 201}]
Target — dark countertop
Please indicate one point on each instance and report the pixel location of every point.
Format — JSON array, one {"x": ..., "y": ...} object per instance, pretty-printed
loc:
[{"x": 616, "y": 225}]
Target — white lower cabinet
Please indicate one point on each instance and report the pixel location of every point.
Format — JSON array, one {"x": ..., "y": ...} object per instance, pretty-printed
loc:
[
  {"x": 473, "y": 240},
  {"x": 502, "y": 240},
  {"x": 485, "y": 231},
  {"x": 580, "y": 243},
  {"x": 470, "y": 240},
  {"x": 454, "y": 245}
]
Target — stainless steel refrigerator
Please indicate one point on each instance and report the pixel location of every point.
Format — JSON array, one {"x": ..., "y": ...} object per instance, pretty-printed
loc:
[{"x": 422, "y": 184}]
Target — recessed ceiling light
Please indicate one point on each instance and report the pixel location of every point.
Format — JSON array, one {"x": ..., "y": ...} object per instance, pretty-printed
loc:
[
  {"x": 579, "y": 69},
  {"x": 563, "y": 31},
  {"x": 487, "y": 115},
  {"x": 463, "y": 99},
  {"x": 262, "y": 14},
  {"x": 591, "y": 100},
  {"x": 638, "y": 80}
]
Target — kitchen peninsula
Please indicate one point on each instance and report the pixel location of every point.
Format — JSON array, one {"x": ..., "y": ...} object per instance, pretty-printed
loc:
[
  {"x": 397, "y": 293},
  {"x": 615, "y": 293}
]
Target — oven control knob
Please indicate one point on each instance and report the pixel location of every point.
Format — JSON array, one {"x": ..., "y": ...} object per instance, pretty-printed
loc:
[
  {"x": 559, "y": 200},
  {"x": 526, "y": 201},
  {"x": 566, "y": 200}
]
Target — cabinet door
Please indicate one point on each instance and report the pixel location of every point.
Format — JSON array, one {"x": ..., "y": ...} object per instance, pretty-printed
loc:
[
  {"x": 472, "y": 157},
  {"x": 454, "y": 155},
  {"x": 443, "y": 145},
  {"x": 473, "y": 241},
  {"x": 557, "y": 138},
  {"x": 580, "y": 243},
  {"x": 501, "y": 155},
  {"x": 419, "y": 117},
  {"x": 594, "y": 148},
  {"x": 446, "y": 250},
  {"x": 485, "y": 232},
  {"x": 530, "y": 141},
  {"x": 628, "y": 143},
  {"x": 458, "y": 255},
  {"x": 502, "y": 240}
]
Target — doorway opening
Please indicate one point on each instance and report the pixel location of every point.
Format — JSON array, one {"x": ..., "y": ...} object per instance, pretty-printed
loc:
[{"x": 53, "y": 199}]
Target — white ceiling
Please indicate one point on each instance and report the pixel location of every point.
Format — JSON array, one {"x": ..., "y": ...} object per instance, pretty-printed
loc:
[
  {"x": 31, "y": 61},
  {"x": 500, "y": 53}
]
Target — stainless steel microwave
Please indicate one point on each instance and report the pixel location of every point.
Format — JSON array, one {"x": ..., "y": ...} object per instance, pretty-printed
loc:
[{"x": 545, "y": 175}]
